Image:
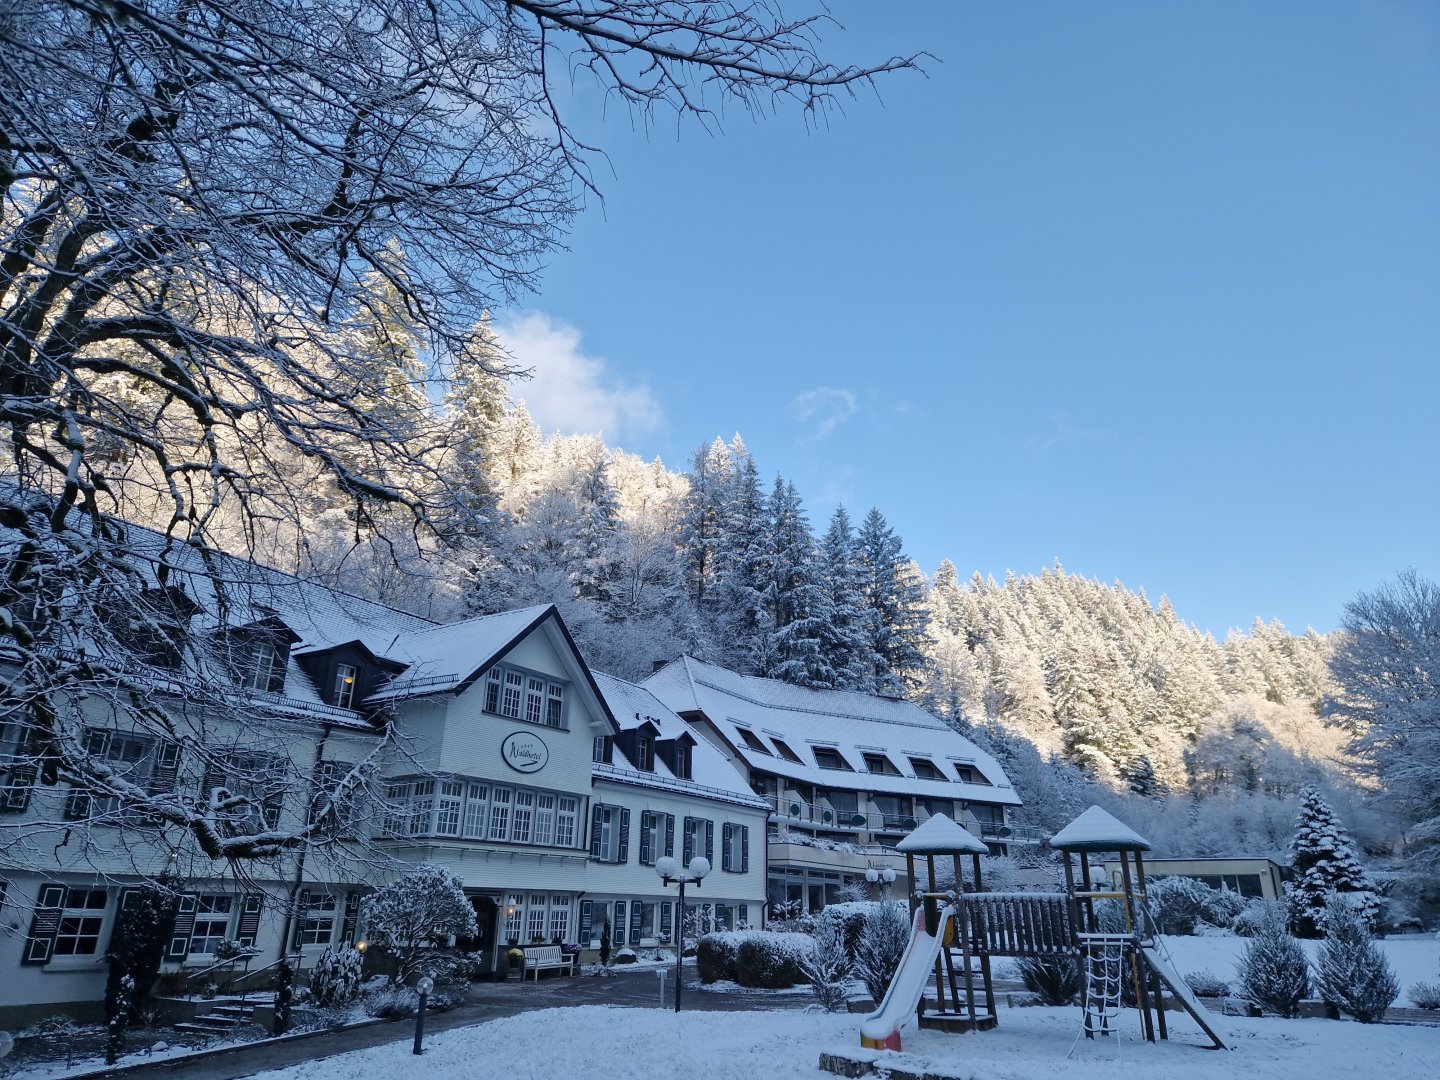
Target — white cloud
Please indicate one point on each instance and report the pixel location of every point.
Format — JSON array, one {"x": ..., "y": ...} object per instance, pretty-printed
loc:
[
  {"x": 569, "y": 390},
  {"x": 826, "y": 407}
]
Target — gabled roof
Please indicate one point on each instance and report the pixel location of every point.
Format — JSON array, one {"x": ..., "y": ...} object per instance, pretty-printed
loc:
[
  {"x": 711, "y": 775},
  {"x": 1098, "y": 830},
  {"x": 939, "y": 835},
  {"x": 850, "y": 724}
]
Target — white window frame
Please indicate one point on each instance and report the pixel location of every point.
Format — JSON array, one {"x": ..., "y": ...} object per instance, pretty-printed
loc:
[
  {"x": 316, "y": 922},
  {"x": 87, "y": 924},
  {"x": 567, "y": 821},
  {"x": 528, "y": 696},
  {"x": 345, "y": 685},
  {"x": 213, "y": 919}
]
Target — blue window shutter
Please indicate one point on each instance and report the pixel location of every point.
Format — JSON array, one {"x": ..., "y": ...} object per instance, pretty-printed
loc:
[
  {"x": 179, "y": 946},
  {"x": 725, "y": 834},
  {"x": 586, "y": 921},
  {"x": 670, "y": 835},
  {"x": 302, "y": 908},
  {"x": 597, "y": 816},
  {"x": 689, "y": 849},
  {"x": 352, "y": 917},
  {"x": 617, "y": 931},
  {"x": 624, "y": 853},
  {"x": 637, "y": 921},
  {"x": 710, "y": 841},
  {"x": 744, "y": 848},
  {"x": 44, "y": 924},
  {"x": 743, "y": 920}
]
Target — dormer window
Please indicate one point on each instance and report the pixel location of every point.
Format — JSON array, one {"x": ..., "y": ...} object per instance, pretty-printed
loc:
[
  {"x": 968, "y": 774},
  {"x": 601, "y": 749},
  {"x": 925, "y": 769},
  {"x": 258, "y": 666},
  {"x": 682, "y": 760},
  {"x": 752, "y": 742},
  {"x": 645, "y": 754},
  {"x": 880, "y": 764},
  {"x": 345, "y": 678},
  {"x": 827, "y": 758},
  {"x": 786, "y": 752}
]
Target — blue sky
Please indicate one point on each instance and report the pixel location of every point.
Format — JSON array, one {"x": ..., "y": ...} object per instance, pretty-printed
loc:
[{"x": 1150, "y": 288}]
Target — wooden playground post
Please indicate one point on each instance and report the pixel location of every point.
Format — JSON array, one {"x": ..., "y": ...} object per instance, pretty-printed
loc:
[
  {"x": 963, "y": 928},
  {"x": 1142, "y": 898},
  {"x": 984, "y": 949},
  {"x": 1133, "y": 916}
]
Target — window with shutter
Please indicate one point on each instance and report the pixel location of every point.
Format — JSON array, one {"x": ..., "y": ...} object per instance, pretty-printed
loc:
[
  {"x": 622, "y": 853},
  {"x": 43, "y": 924},
  {"x": 688, "y": 850},
  {"x": 647, "y": 838},
  {"x": 670, "y": 835},
  {"x": 666, "y": 920},
  {"x": 586, "y": 914},
  {"x": 617, "y": 932},
  {"x": 179, "y": 946},
  {"x": 597, "y": 839},
  {"x": 352, "y": 917},
  {"x": 249, "y": 927},
  {"x": 710, "y": 841},
  {"x": 744, "y": 848},
  {"x": 17, "y": 766},
  {"x": 727, "y": 846}
]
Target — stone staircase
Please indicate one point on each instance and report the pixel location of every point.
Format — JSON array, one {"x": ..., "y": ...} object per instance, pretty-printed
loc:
[{"x": 222, "y": 1019}]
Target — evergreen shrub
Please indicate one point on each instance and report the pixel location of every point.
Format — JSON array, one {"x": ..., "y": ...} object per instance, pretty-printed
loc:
[
  {"x": 715, "y": 957},
  {"x": 1055, "y": 980},
  {"x": 335, "y": 978},
  {"x": 1273, "y": 972},
  {"x": 882, "y": 945},
  {"x": 1352, "y": 973},
  {"x": 1425, "y": 995},
  {"x": 827, "y": 966},
  {"x": 770, "y": 961},
  {"x": 1207, "y": 984}
]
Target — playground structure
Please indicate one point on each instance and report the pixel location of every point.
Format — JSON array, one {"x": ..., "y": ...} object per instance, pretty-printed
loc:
[{"x": 955, "y": 934}]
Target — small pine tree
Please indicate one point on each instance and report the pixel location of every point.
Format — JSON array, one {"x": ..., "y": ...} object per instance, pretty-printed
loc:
[
  {"x": 284, "y": 997},
  {"x": 1325, "y": 862},
  {"x": 883, "y": 940},
  {"x": 1055, "y": 980},
  {"x": 1351, "y": 971},
  {"x": 827, "y": 967},
  {"x": 1273, "y": 972}
]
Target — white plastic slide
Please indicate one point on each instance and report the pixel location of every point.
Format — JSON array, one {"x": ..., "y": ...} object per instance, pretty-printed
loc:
[
  {"x": 1181, "y": 989},
  {"x": 916, "y": 966}
]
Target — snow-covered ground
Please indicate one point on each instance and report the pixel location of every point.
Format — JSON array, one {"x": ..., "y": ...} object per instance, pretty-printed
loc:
[
  {"x": 1415, "y": 958},
  {"x": 606, "y": 1043}
]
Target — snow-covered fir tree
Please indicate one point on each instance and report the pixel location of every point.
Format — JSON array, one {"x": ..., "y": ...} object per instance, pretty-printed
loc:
[
  {"x": 894, "y": 607},
  {"x": 1325, "y": 863}
]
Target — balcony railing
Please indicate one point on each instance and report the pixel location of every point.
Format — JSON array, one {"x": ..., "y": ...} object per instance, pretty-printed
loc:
[{"x": 798, "y": 812}]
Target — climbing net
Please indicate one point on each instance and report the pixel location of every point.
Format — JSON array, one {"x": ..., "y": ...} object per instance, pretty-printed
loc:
[{"x": 1104, "y": 958}]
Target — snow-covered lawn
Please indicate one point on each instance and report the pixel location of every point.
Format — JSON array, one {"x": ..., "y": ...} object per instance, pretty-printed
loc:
[
  {"x": 1415, "y": 958},
  {"x": 607, "y": 1043}
]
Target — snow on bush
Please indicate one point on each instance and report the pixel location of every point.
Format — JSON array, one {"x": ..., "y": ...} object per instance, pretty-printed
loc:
[
  {"x": 715, "y": 957},
  {"x": 1055, "y": 980},
  {"x": 761, "y": 958},
  {"x": 1207, "y": 984},
  {"x": 1425, "y": 995},
  {"x": 1273, "y": 972},
  {"x": 827, "y": 966},
  {"x": 1351, "y": 971},
  {"x": 420, "y": 911},
  {"x": 335, "y": 978},
  {"x": 1250, "y": 919},
  {"x": 1179, "y": 904},
  {"x": 882, "y": 944}
]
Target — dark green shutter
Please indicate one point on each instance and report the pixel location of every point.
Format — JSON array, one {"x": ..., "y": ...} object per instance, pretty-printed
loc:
[
  {"x": 710, "y": 842},
  {"x": 637, "y": 921},
  {"x": 617, "y": 932},
  {"x": 179, "y": 947},
  {"x": 586, "y": 921},
  {"x": 624, "y": 854},
  {"x": 647, "y": 820},
  {"x": 43, "y": 925},
  {"x": 595, "y": 818},
  {"x": 167, "y": 768},
  {"x": 352, "y": 917},
  {"x": 670, "y": 835},
  {"x": 744, "y": 848},
  {"x": 688, "y": 851},
  {"x": 249, "y": 926},
  {"x": 301, "y": 910},
  {"x": 665, "y": 919},
  {"x": 726, "y": 831}
]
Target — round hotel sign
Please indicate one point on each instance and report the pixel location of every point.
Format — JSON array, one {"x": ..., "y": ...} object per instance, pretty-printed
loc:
[{"x": 524, "y": 751}]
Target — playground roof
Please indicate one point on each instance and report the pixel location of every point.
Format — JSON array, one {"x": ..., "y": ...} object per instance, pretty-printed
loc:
[
  {"x": 938, "y": 835},
  {"x": 1097, "y": 830}
]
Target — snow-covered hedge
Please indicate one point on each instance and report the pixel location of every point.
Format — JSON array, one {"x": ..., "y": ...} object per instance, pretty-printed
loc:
[
  {"x": 757, "y": 958},
  {"x": 1180, "y": 904}
]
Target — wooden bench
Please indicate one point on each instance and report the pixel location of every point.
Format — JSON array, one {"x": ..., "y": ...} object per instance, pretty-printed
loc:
[{"x": 545, "y": 958}]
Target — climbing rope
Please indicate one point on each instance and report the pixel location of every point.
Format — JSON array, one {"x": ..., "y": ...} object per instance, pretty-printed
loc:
[{"x": 1104, "y": 959}]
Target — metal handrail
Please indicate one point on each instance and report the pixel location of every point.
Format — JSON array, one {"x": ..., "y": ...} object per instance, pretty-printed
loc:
[
  {"x": 296, "y": 956},
  {"x": 229, "y": 961}
]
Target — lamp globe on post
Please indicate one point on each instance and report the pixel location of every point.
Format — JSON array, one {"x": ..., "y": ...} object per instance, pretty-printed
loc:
[{"x": 670, "y": 872}]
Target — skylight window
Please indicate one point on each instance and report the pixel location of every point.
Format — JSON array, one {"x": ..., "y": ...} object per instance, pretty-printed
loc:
[
  {"x": 925, "y": 769},
  {"x": 786, "y": 752},
  {"x": 752, "y": 741},
  {"x": 827, "y": 758}
]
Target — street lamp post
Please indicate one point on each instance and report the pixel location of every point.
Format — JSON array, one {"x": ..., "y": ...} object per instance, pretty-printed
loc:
[
  {"x": 423, "y": 988},
  {"x": 670, "y": 871},
  {"x": 878, "y": 874}
]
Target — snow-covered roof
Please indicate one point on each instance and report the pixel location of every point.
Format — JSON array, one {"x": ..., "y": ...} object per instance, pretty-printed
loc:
[
  {"x": 711, "y": 776},
  {"x": 939, "y": 835},
  {"x": 440, "y": 658},
  {"x": 1098, "y": 830},
  {"x": 751, "y": 713}
]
